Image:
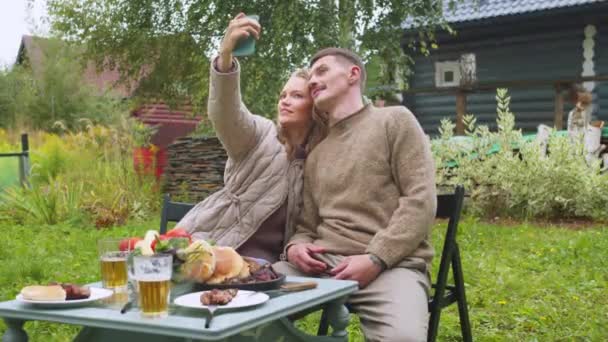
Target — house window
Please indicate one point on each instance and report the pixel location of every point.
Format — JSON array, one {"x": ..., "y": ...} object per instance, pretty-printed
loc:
[{"x": 447, "y": 74}]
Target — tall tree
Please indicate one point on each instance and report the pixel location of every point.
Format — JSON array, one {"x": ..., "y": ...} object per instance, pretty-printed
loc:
[{"x": 167, "y": 44}]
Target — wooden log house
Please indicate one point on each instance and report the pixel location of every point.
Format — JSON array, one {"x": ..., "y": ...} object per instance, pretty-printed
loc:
[{"x": 537, "y": 49}]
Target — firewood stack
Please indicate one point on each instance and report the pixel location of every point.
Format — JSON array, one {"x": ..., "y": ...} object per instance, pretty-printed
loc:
[{"x": 195, "y": 168}]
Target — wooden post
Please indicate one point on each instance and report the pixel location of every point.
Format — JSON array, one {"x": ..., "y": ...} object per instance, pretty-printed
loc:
[
  {"x": 461, "y": 109},
  {"x": 558, "y": 119},
  {"x": 24, "y": 161}
]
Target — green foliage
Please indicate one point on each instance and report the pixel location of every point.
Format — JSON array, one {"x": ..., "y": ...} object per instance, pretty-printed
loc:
[
  {"x": 9, "y": 172},
  {"x": 204, "y": 129},
  {"x": 526, "y": 184},
  {"x": 40, "y": 93},
  {"x": 530, "y": 283},
  {"x": 50, "y": 203},
  {"x": 9, "y": 166},
  {"x": 50, "y": 159},
  {"x": 11, "y": 88},
  {"x": 82, "y": 176},
  {"x": 39, "y": 254},
  {"x": 174, "y": 40},
  {"x": 524, "y": 283},
  {"x": 142, "y": 133}
]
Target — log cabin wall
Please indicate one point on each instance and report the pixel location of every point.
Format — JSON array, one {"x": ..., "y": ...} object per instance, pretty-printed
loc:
[{"x": 527, "y": 53}]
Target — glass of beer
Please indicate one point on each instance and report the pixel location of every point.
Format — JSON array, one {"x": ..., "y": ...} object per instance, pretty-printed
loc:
[
  {"x": 153, "y": 276},
  {"x": 113, "y": 264}
]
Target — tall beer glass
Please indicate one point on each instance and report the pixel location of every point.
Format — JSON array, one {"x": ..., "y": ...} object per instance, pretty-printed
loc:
[
  {"x": 153, "y": 276},
  {"x": 113, "y": 264}
]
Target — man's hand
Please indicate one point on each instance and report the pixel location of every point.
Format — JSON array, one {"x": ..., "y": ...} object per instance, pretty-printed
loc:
[
  {"x": 301, "y": 255},
  {"x": 239, "y": 28},
  {"x": 357, "y": 267}
]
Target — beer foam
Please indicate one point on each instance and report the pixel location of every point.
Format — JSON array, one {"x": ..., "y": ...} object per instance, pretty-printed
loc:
[
  {"x": 153, "y": 277},
  {"x": 113, "y": 258}
]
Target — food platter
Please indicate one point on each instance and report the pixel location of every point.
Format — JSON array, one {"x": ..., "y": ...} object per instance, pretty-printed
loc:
[
  {"x": 250, "y": 286},
  {"x": 243, "y": 299},
  {"x": 206, "y": 267},
  {"x": 96, "y": 294}
]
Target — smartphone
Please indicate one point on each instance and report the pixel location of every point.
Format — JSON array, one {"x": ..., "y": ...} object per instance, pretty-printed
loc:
[{"x": 246, "y": 47}]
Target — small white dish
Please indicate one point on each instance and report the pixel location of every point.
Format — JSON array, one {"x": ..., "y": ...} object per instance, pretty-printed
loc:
[
  {"x": 242, "y": 299},
  {"x": 96, "y": 294}
]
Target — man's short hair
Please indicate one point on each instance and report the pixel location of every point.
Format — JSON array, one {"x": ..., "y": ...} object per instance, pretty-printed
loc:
[{"x": 344, "y": 54}]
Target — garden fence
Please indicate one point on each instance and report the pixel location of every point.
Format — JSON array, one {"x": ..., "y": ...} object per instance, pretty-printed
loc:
[{"x": 23, "y": 158}]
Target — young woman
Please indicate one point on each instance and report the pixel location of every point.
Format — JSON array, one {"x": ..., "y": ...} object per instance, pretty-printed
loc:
[{"x": 255, "y": 211}]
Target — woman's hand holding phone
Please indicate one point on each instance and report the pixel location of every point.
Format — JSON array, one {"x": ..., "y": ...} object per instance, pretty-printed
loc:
[{"x": 238, "y": 40}]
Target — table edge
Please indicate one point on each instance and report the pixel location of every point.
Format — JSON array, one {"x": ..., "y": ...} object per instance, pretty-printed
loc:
[{"x": 183, "y": 332}]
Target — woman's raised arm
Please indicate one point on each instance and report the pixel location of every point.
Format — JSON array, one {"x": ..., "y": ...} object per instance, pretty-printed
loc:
[{"x": 233, "y": 123}]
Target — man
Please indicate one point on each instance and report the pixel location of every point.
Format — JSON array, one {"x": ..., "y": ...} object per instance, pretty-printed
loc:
[{"x": 369, "y": 201}]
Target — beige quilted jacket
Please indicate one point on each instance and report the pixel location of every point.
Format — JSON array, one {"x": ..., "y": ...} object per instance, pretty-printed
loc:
[{"x": 258, "y": 176}]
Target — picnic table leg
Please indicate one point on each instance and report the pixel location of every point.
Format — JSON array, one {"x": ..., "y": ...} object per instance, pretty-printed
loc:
[
  {"x": 281, "y": 330},
  {"x": 14, "y": 331},
  {"x": 92, "y": 334},
  {"x": 338, "y": 317}
]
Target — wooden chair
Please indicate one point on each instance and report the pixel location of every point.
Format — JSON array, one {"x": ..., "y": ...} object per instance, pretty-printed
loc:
[
  {"x": 449, "y": 207},
  {"x": 172, "y": 212}
]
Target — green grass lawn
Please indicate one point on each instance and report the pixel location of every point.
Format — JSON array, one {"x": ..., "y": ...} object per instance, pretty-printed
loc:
[
  {"x": 524, "y": 283},
  {"x": 9, "y": 172}
]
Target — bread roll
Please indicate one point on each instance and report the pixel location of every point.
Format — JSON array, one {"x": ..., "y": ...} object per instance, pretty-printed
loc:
[
  {"x": 245, "y": 271},
  {"x": 43, "y": 293},
  {"x": 228, "y": 264}
]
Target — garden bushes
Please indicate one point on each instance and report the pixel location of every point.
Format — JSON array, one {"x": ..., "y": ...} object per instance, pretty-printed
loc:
[
  {"x": 517, "y": 180},
  {"x": 83, "y": 176},
  {"x": 87, "y": 175}
]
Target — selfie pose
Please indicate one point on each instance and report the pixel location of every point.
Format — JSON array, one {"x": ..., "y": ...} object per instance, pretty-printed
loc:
[{"x": 256, "y": 209}]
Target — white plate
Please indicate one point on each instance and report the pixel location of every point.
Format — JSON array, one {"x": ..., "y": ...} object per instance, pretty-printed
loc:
[
  {"x": 96, "y": 294},
  {"x": 242, "y": 299}
]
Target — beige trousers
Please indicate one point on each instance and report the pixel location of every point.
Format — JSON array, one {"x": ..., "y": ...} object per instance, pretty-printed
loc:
[{"x": 392, "y": 308}]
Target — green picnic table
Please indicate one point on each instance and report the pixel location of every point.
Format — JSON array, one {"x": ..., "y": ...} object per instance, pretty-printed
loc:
[{"x": 266, "y": 322}]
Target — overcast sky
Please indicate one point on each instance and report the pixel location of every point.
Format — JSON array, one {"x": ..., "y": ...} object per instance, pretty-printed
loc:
[{"x": 16, "y": 20}]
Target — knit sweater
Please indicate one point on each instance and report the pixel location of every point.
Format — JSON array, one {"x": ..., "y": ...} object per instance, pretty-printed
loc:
[{"x": 369, "y": 187}]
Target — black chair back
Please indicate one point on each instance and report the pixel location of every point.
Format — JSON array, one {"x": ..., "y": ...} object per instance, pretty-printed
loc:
[
  {"x": 449, "y": 206},
  {"x": 172, "y": 212}
]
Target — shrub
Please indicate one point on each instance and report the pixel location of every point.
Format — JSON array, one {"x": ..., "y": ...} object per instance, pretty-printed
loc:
[
  {"x": 53, "y": 90},
  {"x": 83, "y": 175},
  {"x": 507, "y": 175},
  {"x": 45, "y": 203}
]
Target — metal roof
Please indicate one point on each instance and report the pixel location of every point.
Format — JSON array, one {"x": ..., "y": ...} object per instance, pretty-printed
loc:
[{"x": 469, "y": 10}]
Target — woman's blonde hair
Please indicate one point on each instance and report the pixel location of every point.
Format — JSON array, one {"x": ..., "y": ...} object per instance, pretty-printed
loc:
[{"x": 318, "y": 131}]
